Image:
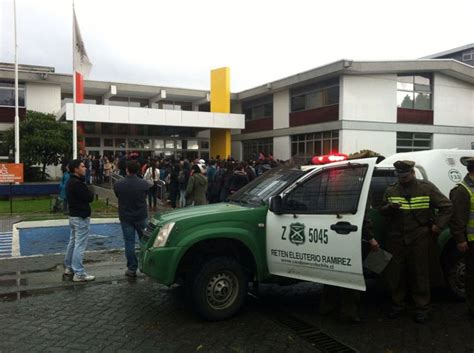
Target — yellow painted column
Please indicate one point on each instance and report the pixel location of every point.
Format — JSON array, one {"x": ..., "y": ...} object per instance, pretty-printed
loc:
[{"x": 220, "y": 103}]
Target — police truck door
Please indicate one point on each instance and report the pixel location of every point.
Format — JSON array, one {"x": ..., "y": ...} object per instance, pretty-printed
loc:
[{"x": 317, "y": 236}]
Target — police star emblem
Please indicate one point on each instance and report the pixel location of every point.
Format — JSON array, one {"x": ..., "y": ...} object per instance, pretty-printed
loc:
[{"x": 297, "y": 236}]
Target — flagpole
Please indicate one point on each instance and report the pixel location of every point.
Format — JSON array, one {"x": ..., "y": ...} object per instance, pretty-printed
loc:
[
  {"x": 74, "y": 124},
  {"x": 17, "y": 117}
]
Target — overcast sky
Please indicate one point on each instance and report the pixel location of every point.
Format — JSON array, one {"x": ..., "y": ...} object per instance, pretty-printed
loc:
[{"x": 177, "y": 43}]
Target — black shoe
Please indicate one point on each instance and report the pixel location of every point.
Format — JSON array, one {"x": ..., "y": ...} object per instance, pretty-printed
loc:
[
  {"x": 132, "y": 274},
  {"x": 395, "y": 312},
  {"x": 420, "y": 318}
]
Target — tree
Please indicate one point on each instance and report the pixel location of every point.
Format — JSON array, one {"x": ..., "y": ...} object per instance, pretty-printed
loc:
[{"x": 43, "y": 141}]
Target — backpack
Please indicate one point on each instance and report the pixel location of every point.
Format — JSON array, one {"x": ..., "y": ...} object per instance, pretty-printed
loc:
[{"x": 149, "y": 177}]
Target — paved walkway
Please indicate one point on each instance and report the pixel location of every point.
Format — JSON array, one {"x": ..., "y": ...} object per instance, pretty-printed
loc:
[{"x": 7, "y": 222}]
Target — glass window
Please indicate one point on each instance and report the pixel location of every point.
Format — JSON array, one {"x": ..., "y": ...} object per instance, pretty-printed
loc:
[
  {"x": 108, "y": 142},
  {"x": 205, "y": 145},
  {"x": 315, "y": 95},
  {"x": 92, "y": 141},
  {"x": 423, "y": 101},
  {"x": 108, "y": 129},
  {"x": 193, "y": 145},
  {"x": 169, "y": 144},
  {"x": 468, "y": 55},
  {"x": 258, "y": 108},
  {"x": 120, "y": 143},
  {"x": 298, "y": 103},
  {"x": 90, "y": 128},
  {"x": 139, "y": 143},
  {"x": 179, "y": 145},
  {"x": 414, "y": 92},
  {"x": 309, "y": 145},
  {"x": 158, "y": 144},
  {"x": 7, "y": 94},
  {"x": 405, "y": 99},
  {"x": 253, "y": 148},
  {"x": 123, "y": 129},
  {"x": 333, "y": 191},
  {"x": 413, "y": 141}
]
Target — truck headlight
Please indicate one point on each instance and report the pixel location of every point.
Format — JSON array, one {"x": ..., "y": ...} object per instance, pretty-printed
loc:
[{"x": 162, "y": 236}]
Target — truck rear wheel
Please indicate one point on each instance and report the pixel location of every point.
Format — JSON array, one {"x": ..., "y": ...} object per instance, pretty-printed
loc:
[
  {"x": 218, "y": 288},
  {"x": 455, "y": 271}
]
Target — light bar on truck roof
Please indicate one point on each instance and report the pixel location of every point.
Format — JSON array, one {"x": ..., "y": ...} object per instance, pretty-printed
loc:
[{"x": 328, "y": 158}]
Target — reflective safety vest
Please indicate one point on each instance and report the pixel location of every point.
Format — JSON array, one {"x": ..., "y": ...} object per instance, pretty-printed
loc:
[
  {"x": 415, "y": 203},
  {"x": 470, "y": 224}
]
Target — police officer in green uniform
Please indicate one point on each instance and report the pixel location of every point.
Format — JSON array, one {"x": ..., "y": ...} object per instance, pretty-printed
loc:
[
  {"x": 462, "y": 227},
  {"x": 409, "y": 206}
]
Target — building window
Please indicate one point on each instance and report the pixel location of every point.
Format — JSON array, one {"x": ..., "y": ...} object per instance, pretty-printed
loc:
[
  {"x": 414, "y": 141},
  {"x": 315, "y": 144},
  {"x": 468, "y": 55},
  {"x": 259, "y": 108},
  {"x": 7, "y": 94},
  {"x": 92, "y": 141},
  {"x": 175, "y": 105},
  {"x": 414, "y": 91},
  {"x": 315, "y": 96},
  {"x": 253, "y": 148}
]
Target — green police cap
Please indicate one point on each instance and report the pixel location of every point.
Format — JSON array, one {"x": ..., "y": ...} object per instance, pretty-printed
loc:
[{"x": 403, "y": 167}]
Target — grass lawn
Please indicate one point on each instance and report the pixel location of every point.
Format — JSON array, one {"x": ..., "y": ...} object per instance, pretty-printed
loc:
[{"x": 41, "y": 208}]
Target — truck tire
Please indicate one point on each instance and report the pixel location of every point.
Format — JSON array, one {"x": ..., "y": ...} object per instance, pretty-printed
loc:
[
  {"x": 218, "y": 288},
  {"x": 454, "y": 269}
]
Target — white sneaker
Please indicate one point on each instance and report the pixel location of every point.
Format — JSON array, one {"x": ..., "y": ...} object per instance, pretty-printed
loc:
[{"x": 83, "y": 278}]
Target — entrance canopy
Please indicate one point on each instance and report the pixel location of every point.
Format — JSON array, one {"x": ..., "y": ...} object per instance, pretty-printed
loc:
[{"x": 150, "y": 116}]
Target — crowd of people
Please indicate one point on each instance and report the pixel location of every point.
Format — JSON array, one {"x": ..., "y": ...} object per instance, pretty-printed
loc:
[{"x": 185, "y": 182}]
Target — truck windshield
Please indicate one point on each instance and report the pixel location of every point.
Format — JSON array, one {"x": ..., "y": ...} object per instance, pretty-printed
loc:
[{"x": 272, "y": 182}]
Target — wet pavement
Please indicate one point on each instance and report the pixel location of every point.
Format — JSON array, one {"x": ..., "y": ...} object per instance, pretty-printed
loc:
[{"x": 41, "y": 312}]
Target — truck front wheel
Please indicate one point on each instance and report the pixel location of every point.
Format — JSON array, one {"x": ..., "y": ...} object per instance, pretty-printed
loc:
[
  {"x": 218, "y": 288},
  {"x": 454, "y": 270}
]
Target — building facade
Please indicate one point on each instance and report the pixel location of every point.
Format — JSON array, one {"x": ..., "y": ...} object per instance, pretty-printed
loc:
[{"x": 345, "y": 106}]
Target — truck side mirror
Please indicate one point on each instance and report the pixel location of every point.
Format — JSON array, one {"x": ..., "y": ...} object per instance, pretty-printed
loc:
[{"x": 275, "y": 205}]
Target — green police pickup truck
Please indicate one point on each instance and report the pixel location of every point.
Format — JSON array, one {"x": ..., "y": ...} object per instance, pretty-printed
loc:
[{"x": 293, "y": 223}]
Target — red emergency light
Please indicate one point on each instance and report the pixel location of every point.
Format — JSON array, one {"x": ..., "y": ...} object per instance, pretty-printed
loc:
[{"x": 329, "y": 158}]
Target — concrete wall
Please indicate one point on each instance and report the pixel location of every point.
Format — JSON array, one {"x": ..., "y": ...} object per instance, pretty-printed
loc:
[
  {"x": 453, "y": 141},
  {"x": 281, "y": 109},
  {"x": 369, "y": 98},
  {"x": 383, "y": 142},
  {"x": 236, "y": 150},
  {"x": 453, "y": 102},
  {"x": 44, "y": 98},
  {"x": 282, "y": 148}
]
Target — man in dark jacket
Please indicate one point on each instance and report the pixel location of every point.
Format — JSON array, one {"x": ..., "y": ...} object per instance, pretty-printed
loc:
[
  {"x": 79, "y": 196},
  {"x": 462, "y": 227},
  {"x": 131, "y": 193}
]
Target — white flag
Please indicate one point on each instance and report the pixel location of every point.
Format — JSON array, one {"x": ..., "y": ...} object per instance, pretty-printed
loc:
[{"x": 81, "y": 60}]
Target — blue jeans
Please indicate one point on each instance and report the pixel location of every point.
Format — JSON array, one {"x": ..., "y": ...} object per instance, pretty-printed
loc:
[
  {"x": 128, "y": 230},
  {"x": 80, "y": 228}
]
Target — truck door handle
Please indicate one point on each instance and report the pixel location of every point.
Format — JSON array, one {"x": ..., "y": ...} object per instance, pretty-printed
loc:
[{"x": 343, "y": 227}]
